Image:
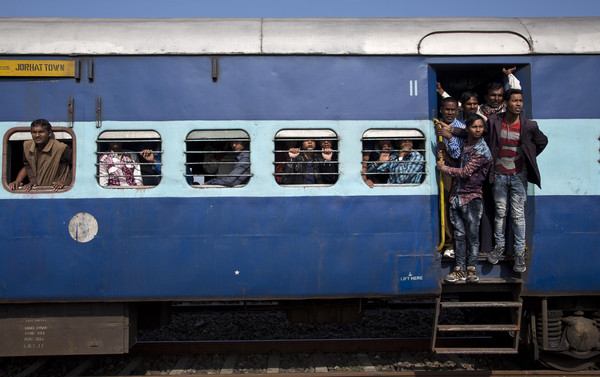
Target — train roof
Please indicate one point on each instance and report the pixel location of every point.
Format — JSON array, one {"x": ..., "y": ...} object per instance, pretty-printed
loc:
[{"x": 310, "y": 36}]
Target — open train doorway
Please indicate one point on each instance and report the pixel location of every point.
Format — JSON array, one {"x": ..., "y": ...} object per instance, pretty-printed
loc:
[{"x": 456, "y": 79}]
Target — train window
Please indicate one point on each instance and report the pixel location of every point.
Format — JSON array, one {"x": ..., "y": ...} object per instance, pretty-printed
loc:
[
  {"x": 128, "y": 159},
  {"x": 217, "y": 158},
  {"x": 306, "y": 157},
  {"x": 14, "y": 173},
  {"x": 393, "y": 157}
]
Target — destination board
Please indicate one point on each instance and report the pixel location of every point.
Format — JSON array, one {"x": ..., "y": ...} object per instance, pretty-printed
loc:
[{"x": 37, "y": 68}]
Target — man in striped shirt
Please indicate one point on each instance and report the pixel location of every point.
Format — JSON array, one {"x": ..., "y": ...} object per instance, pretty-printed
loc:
[{"x": 515, "y": 143}]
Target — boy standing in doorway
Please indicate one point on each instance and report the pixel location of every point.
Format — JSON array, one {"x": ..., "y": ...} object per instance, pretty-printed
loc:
[{"x": 466, "y": 206}]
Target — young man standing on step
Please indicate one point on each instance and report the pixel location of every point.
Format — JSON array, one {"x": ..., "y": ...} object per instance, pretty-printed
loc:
[{"x": 466, "y": 206}]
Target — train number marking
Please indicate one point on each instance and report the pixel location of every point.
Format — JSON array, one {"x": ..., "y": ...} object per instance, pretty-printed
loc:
[{"x": 414, "y": 91}]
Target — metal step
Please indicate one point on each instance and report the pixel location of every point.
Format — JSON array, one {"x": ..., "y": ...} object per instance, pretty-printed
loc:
[
  {"x": 503, "y": 327},
  {"x": 509, "y": 280},
  {"x": 480, "y": 304},
  {"x": 461, "y": 350}
]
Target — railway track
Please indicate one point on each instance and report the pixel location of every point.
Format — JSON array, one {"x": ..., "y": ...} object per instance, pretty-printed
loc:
[{"x": 343, "y": 357}]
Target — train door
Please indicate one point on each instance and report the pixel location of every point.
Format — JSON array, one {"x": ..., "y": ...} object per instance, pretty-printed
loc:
[
  {"x": 457, "y": 79},
  {"x": 498, "y": 311}
]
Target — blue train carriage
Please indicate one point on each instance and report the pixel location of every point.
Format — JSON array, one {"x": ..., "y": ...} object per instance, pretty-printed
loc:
[{"x": 97, "y": 256}]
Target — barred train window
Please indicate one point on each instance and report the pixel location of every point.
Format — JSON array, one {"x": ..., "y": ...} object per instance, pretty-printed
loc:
[
  {"x": 217, "y": 158},
  {"x": 13, "y": 169},
  {"x": 306, "y": 157},
  {"x": 393, "y": 157},
  {"x": 129, "y": 159}
]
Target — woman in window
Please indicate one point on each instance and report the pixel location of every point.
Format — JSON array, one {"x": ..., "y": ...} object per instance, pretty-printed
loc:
[{"x": 119, "y": 167}]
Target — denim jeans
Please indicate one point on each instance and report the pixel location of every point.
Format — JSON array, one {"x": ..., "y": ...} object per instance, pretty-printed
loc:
[
  {"x": 466, "y": 219},
  {"x": 511, "y": 188}
]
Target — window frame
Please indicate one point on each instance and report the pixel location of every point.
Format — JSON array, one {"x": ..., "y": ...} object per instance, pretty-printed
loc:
[
  {"x": 215, "y": 136},
  {"x": 302, "y": 134},
  {"x": 394, "y": 134},
  {"x": 7, "y": 152},
  {"x": 131, "y": 136}
]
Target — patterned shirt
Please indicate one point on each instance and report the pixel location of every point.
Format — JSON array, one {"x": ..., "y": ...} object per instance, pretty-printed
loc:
[
  {"x": 475, "y": 162},
  {"x": 403, "y": 170},
  {"x": 120, "y": 169},
  {"x": 454, "y": 144}
]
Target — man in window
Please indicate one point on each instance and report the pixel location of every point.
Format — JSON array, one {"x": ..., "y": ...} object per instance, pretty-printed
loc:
[
  {"x": 240, "y": 173},
  {"x": 47, "y": 162},
  {"x": 404, "y": 167},
  {"x": 306, "y": 167}
]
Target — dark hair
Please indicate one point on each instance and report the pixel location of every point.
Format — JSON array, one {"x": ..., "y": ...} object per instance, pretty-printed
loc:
[
  {"x": 42, "y": 122},
  {"x": 472, "y": 119},
  {"x": 468, "y": 95},
  {"x": 510, "y": 92},
  {"x": 448, "y": 99},
  {"x": 493, "y": 86}
]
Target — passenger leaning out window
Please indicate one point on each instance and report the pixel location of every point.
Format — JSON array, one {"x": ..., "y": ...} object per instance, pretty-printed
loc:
[{"x": 46, "y": 161}]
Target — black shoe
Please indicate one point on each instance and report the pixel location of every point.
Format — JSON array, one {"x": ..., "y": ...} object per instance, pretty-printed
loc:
[
  {"x": 519, "y": 265},
  {"x": 494, "y": 255}
]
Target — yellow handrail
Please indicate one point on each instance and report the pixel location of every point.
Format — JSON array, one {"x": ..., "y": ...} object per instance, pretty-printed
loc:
[{"x": 442, "y": 212}]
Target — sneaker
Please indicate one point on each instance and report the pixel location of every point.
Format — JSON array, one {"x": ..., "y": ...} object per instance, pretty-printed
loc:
[
  {"x": 519, "y": 263},
  {"x": 494, "y": 255},
  {"x": 449, "y": 253},
  {"x": 472, "y": 274},
  {"x": 455, "y": 276}
]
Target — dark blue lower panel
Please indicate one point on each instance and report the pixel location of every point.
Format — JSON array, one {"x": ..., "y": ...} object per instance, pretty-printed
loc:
[
  {"x": 565, "y": 256},
  {"x": 211, "y": 248},
  {"x": 262, "y": 248}
]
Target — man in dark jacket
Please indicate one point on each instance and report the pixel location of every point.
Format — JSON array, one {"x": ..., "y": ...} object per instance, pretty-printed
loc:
[
  {"x": 241, "y": 168},
  {"x": 307, "y": 167},
  {"x": 514, "y": 142}
]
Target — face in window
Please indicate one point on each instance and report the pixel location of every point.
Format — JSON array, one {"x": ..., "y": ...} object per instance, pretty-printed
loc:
[
  {"x": 115, "y": 146},
  {"x": 385, "y": 145},
  {"x": 309, "y": 145},
  {"x": 406, "y": 145},
  {"x": 326, "y": 144},
  {"x": 40, "y": 135},
  {"x": 237, "y": 145}
]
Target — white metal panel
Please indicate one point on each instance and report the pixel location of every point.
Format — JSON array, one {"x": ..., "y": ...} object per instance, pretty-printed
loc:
[
  {"x": 106, "y": 135},
  {"x": 217, "y": 134},
  {"x": 341, "y": 36},
  {"x": 392, "y": 134},
  {"x": 377, "y": 36},
  {"x": 564, "y": 35},
  {"x": 129, "y": 36},
  {"x": 333, "y": 36},
  {"x": 304, "y": 133},
  {"x": 26, "y": 135}
]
